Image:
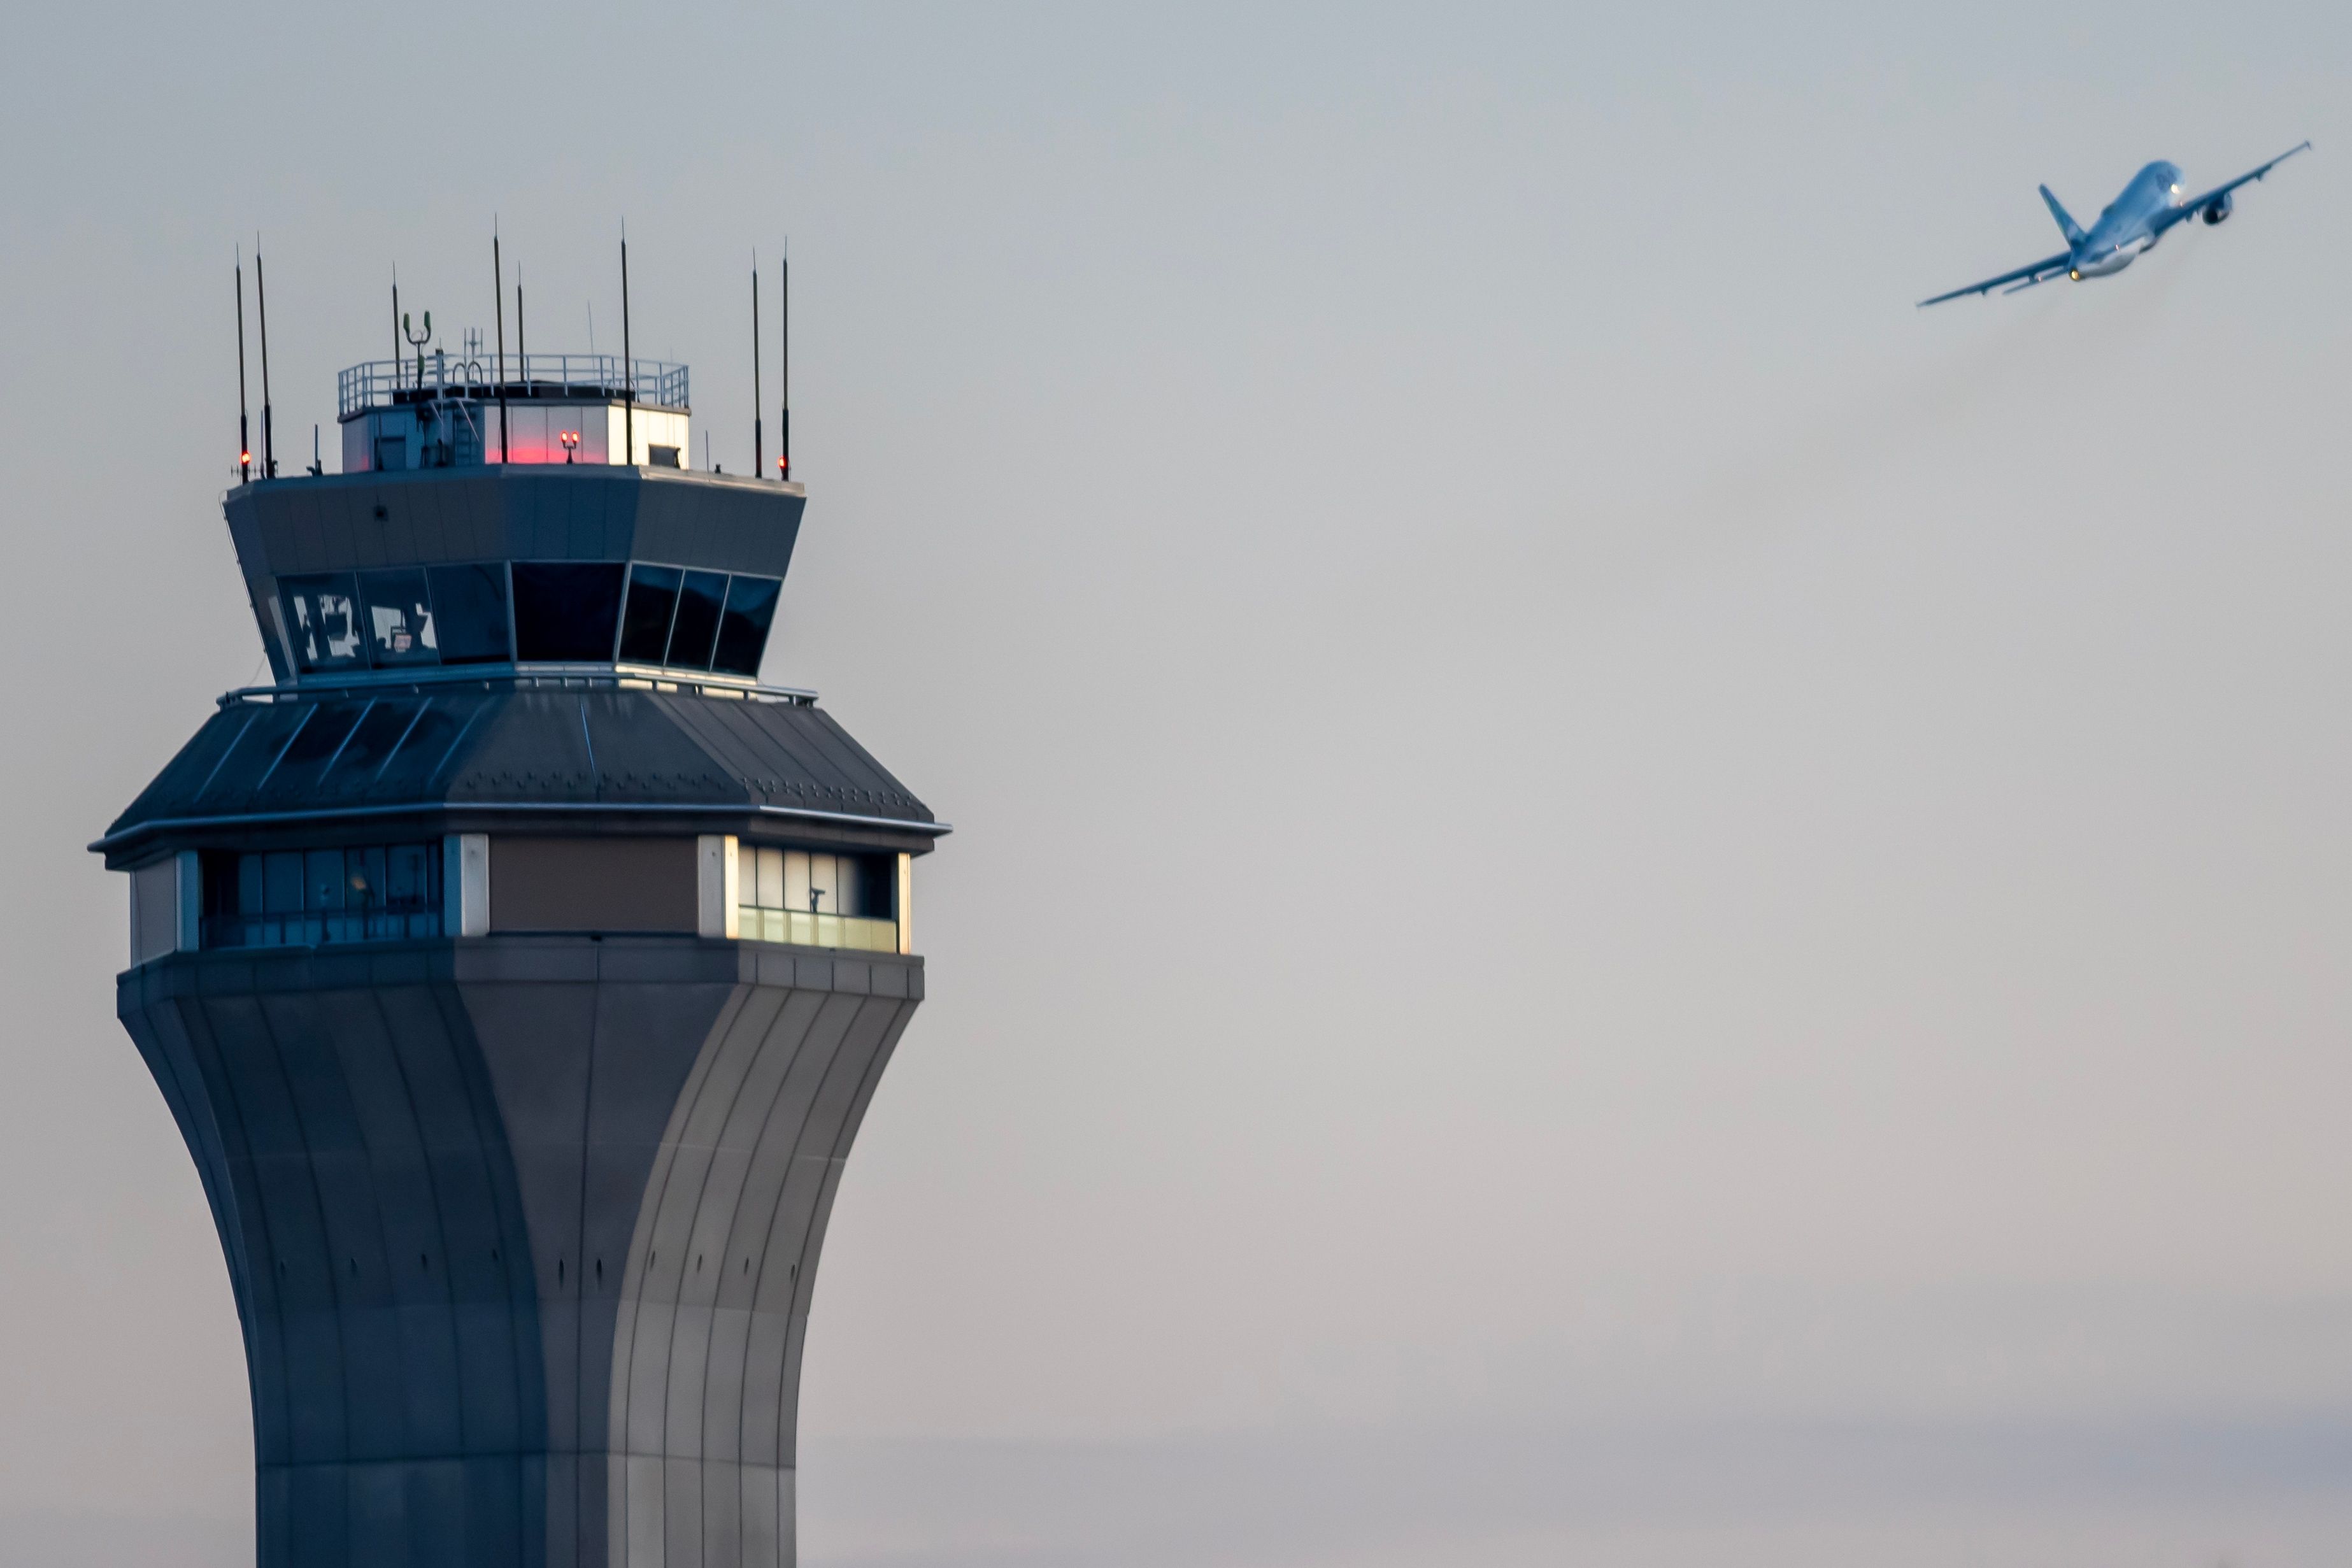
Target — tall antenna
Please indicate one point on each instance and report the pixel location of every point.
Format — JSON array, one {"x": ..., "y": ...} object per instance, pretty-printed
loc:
[
  {"x": 784, "y": 367},
  {"x": 498, "y": 298},
  {"x": 522, "y": 351},
  {"x": 759, "y": 458},
  {"x": 244, "y": 440},
  {"x": 395, "y": 324},
  {"x": 628, "y": 365},
  {"x": 261, "y": 297}
]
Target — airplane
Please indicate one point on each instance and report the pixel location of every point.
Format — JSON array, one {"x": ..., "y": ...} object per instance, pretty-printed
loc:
[{"x": 2130, "y": 227}]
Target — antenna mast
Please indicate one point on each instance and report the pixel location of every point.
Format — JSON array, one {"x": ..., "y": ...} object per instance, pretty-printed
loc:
[
  {"x": 261, "y": 297},
  {"x": 759, "y": 458},
  {"x": 628, "y": 365},
  {"x": 498, "y": 300},
  {"x": 784, "y": 367},
  {"x": 244, "y": 439}
]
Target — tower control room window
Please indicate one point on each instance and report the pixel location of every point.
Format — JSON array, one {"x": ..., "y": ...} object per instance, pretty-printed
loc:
[
  {"x": 323, "y": 622},
  {"x": 566, "y": 611},
  {"x": 818, "y": 900},
  {"x": 698, "y": 620},
  {"x": 392, "y": 619},
  {"x": 309, "y": 898}
]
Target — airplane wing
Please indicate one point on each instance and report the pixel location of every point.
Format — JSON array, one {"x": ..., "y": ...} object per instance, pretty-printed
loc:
[
  {"x": 2195, "y": 205},
  {"x": 2040, "y": 271}
]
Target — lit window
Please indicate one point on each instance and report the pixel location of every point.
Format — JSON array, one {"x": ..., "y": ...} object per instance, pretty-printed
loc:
[{"x": 818, "y": 900}]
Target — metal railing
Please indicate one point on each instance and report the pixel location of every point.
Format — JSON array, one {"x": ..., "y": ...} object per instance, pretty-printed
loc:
[
  {"x": 533, "y": 676},
  {"x": 599, "y": 378},
  {"x": 809, "y": 929}
]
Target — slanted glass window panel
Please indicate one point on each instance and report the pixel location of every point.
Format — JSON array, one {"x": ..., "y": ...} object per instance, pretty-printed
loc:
[
  {"x": 699, "y": 600},
  {"x": 645, "y": 618},
  {"x": 469, "y": 612},
  {"x": 398, "y": 618},
  {"x": 374, "y": 740},
  {"x": 744, "y": 628},
  {"x": 422, "y": 751},
  {"x": 566, "y": 611},
  {"x": 319, "y": 738},
  {"x": 323, "y": 622},
  {"x": 306, "y": 898}
]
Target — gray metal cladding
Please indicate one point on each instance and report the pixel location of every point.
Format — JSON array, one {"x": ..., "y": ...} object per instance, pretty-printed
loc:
[
  {"x": 502, "y": 745},
  {"x": 523, "y": 1231},
  {"x": 343, "y": 522}
]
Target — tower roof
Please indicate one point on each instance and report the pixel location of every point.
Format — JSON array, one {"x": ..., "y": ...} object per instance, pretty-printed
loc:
[{"x": 602, "y": 757}]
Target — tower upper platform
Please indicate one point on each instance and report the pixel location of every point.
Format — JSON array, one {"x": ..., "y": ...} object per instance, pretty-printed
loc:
[{"x": 439, "y": 410}]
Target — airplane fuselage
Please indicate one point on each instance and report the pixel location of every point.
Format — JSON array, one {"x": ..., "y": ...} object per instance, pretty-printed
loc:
[{"x": 2126, "y": 228}]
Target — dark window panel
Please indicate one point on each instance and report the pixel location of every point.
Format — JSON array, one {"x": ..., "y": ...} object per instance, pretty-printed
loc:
[
  {"x": 877, "y": 877},
  {"x": 700, "y": 599},
  {"x": 409, "y": 877},
  {"x": 645, "y": 620},
  {"x": 397, "y": 618},
  {"x": 469, "y": 612},
  {"x": 323, "y": 622},
  {"x": 283, "y": 874},
  {"x": 295, "y": 898},
  {"x": 248, "y": 897},
  {"x": 363, "y": 873},
  {"x": 743, "y": 630},
  {"x": 566, "y": 611},
  {"x": 322, "y": 886}
]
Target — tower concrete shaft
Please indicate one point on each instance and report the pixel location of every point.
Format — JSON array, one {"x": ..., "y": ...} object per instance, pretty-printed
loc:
[{"x": 522, "y": 1234}]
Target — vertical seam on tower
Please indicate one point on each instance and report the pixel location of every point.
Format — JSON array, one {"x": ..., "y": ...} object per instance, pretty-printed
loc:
[
  {"x": 798, "y": 1278},
  {"x": 433, "y": 1190},
  {"x": 580, "y": 1272},
  {"x": 701, "y": 1406},
  {"x": 318, "y": 1203},
  {"x": 623, "y": 1360}
]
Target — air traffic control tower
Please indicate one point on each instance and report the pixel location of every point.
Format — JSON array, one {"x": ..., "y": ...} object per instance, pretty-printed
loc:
[{"x": 518, "y": 969}]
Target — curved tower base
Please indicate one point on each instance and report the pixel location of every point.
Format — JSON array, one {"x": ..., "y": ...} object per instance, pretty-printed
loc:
[{"x": 522, "y": 1230}]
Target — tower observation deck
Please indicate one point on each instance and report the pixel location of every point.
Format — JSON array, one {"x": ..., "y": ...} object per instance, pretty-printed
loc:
[{"x": 518, "y": 968}]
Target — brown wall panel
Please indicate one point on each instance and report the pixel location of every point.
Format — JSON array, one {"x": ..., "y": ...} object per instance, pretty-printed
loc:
[{"x": 593, "y": 884}]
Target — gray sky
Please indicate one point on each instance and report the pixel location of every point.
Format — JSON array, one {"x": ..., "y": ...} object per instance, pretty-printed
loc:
[{"x": 1615, "y": 901}]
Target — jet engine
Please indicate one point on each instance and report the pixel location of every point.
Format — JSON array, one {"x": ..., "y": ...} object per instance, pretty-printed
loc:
[{"x": 2219, "y": 207}]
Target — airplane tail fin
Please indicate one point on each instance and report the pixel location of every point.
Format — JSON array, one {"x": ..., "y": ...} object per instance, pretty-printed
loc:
[{"x": 2066, "y": 224}]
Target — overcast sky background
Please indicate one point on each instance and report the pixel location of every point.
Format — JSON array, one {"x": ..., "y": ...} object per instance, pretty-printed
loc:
[{"x": 1614, "y": 899}]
